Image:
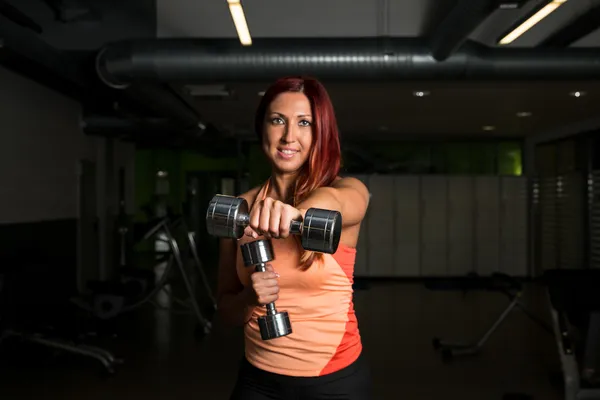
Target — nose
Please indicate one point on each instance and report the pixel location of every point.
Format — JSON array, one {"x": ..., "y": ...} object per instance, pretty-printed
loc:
[{"x": 289, "y": 133}]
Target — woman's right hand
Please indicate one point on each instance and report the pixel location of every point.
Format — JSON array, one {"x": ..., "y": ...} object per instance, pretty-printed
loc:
[{"x": 265, "y": 286}]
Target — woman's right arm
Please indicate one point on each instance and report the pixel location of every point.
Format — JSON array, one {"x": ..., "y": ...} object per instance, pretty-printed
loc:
[{"x": 235, "y": 302}]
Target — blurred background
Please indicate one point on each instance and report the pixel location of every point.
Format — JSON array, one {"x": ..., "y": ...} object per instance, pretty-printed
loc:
[{"x": 472, "y": 122}]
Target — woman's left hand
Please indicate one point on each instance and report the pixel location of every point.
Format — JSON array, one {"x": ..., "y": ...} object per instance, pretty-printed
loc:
[{"x": 271, "y": 219}]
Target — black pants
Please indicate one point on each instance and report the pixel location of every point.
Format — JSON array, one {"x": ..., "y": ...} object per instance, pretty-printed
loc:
[{"x": 350, "y": 383}]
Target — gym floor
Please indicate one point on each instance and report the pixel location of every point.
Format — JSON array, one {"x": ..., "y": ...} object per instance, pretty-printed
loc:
[{"x": 397, "y": 320}]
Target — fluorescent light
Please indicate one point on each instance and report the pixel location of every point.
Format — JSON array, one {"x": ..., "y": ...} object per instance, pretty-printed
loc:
[
  {"x": 531, "y": 21},
  {"x": 239, "y": 20}
]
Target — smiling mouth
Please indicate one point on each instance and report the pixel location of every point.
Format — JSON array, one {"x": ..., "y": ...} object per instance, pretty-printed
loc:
[{"x": 288, "y": 152}]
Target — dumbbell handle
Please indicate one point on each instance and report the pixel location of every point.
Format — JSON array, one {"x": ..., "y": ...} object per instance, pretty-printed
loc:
[
  {"x": 271, "y": 310},
  {"x": 295, "y": 226}
]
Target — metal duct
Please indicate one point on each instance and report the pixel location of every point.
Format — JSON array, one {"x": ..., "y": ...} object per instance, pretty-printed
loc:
[
  {"x": 102, "y": 124},
  {"x": 161, "y": 100},
  {"x": 577, "y": 29},
  {"x": 27, "y": 54},
  {"x": 354, "y": 59},
  {"x": 458, "y": 25}
]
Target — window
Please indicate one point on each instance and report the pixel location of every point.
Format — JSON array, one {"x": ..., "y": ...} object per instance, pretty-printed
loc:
[{"x": 510, "y": 158}]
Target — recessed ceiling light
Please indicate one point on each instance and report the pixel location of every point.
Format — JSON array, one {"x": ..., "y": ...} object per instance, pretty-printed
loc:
[
  {"x": 488, "y": 127},
  {"x": 577, "y": 94},
  {"x": 524, "y": 114},
  {"x": 420, "y": 93}
]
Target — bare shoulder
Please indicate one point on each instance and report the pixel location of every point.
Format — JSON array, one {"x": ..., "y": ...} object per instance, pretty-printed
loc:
[{"x": 350, "y": 182}]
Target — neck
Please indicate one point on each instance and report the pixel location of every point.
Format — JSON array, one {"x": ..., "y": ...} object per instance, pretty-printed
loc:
[{"x": 282, "y": 185}]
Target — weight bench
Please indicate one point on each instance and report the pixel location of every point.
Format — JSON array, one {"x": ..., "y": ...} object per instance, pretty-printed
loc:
[
  {"x": 498, "y": 282},
  {"x": 574, "y": 301},
  {"x": 48, "y": 321}
]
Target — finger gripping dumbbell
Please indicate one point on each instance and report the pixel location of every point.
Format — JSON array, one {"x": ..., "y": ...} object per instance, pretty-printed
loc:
[
  {"x": 274, "y": 324},
  {"x": 320, "y": 229}
]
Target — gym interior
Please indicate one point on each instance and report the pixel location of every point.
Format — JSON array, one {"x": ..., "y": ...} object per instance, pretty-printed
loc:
[{"x": 473, "y": 124}]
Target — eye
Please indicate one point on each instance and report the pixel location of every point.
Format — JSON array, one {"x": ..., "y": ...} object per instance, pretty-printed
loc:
[
  {"x": 277, "y": 120},
  {"x": 304, "y": 123}
]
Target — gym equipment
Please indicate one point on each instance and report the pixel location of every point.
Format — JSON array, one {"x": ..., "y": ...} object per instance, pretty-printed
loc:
[
  {"x": 574, "y": 303},
  {"x": 227, "y": 217},
  {"x": 49, "y": 321},
  {"x": 106, "y": 358},
  {"x": 122, "y": 223},
  {"x": 191, "y": 237},
  {"x": 111, "y": 299},
  {"x": 498, "y": 282},
  {"x": 274, "y": 324}
]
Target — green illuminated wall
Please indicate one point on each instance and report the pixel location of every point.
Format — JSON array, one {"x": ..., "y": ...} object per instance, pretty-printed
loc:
[
  {"x": 177, "y": 164},
  {"x": 454, "y": 158},
  {"x": 476, "y": 158}
]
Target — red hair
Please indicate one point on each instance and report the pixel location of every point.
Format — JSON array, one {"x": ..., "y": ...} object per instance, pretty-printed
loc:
[{"x": 324, "y": 160}]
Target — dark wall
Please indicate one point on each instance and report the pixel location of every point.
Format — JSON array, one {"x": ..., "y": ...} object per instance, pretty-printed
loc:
[
  {"x": 40, "y": 145},
  {"x": 43, "y": 150}
]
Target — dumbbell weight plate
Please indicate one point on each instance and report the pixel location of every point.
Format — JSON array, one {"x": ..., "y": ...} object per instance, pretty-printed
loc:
[
  {"x": 273, "y": 326},
  {"x": 224, "y": 216},
  {"x": 322, "y": 230},
  {"x": 257, "y": 252}
]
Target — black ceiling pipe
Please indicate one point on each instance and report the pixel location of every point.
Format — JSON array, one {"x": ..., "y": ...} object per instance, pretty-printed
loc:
[
  {"x": 15, "y": 15},
  {"x": 100, "y": 123},
  {"x": 137, "y": 129},
  {"x": 351, "y": 59},
  {"x": 579, "y": 28},
  {"x": 25, "y": 53},
  {"x": 131, "y": 129},
  {"x": 161, "y": 100},
  {"x": 458, "y": 25}
]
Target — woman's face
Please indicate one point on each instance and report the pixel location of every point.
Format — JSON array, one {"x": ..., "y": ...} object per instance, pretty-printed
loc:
[{"x": 288, "y": 131}]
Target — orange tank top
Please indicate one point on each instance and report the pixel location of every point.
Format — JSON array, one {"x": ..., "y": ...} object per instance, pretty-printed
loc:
[{"x": 325, "y": 336}]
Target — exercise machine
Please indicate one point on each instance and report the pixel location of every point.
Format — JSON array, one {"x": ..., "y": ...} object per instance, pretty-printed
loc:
[
  {"x": 111, "y": 299},
  {"x": 193, "y": 249},
  {"x": 320, "y": 231},
  {"x": 104, "y": 357},
  {"x": 498, "y": 282},
  {"x": 51, "y": 324},
  {"x": 204, "y": 325},
  {"x": 574, "y": 301}
]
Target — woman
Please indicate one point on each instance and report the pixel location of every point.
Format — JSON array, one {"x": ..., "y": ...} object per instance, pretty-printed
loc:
[{"x": 321, "y": 358}]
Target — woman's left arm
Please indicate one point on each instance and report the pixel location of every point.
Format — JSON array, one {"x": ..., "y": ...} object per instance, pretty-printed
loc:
[{"x": 347, "y": 195}]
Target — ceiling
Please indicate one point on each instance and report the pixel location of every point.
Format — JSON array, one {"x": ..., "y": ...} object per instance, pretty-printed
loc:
[
  {"x": 381, "y": 110},
  {"x": 459, "y": 109},
  {"x": 390, "y": 110}
]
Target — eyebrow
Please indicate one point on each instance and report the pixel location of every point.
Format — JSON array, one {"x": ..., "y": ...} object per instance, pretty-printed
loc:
[{"x": 300, "y": 115}]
